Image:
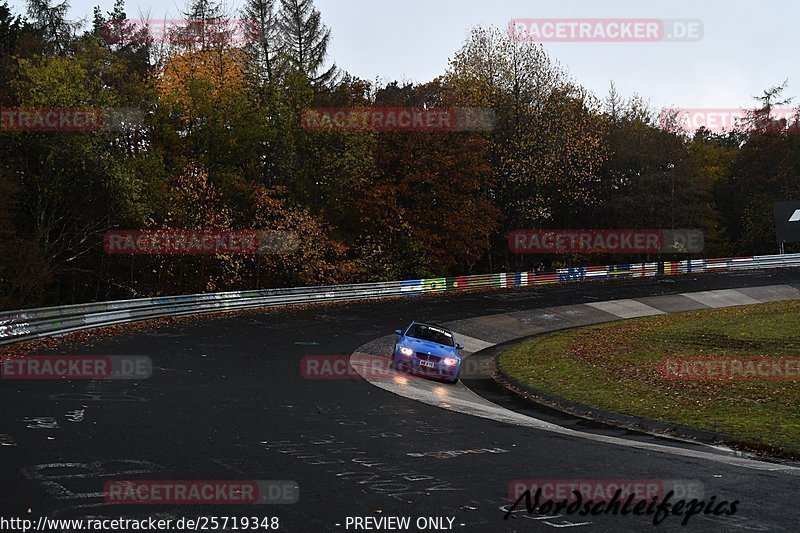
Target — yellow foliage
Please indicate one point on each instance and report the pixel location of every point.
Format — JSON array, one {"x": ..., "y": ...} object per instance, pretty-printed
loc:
[{"x": 196, "y": 81}]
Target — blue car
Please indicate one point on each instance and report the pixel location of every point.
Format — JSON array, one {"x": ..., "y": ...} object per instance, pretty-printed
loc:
[{"x": 429, "y": 350}]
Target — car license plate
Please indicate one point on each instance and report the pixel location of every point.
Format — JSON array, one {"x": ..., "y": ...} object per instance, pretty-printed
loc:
[{"x": 427, "y": 364}]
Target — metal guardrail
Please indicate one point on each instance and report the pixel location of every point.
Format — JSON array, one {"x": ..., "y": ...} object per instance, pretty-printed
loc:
[{"x": 17, "y": 326}]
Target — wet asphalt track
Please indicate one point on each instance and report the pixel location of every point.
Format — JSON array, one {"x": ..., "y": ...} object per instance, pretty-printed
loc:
[{"x": 227, "y": 401}]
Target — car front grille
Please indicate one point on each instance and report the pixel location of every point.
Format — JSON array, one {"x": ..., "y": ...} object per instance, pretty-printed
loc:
[{"x": 426, "y": 357}]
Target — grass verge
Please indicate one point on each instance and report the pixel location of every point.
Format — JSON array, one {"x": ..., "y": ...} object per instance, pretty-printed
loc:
[{"x": 616, "y": 367}]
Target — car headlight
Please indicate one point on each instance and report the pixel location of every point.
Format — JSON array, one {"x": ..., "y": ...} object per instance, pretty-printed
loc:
[
  {"x": 406, "y": 351},
  {"x": 450, "y": 361}
]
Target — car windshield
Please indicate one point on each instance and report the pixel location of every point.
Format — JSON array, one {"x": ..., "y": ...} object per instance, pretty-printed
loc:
[{"x": 430, "y": 333}]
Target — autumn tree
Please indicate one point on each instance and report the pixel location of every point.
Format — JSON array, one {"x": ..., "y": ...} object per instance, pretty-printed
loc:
[
  {"x": 546, "y": 147},
  {"x": 650, "y": 178},
  {"x": 49, "y": 20},
  {"x": 766, "y": 170},
  {"x": 305, "y": 40},
  {"x": 25, "y": 273},
  {"x": 214, "y": 141},
  {"x": 11, "y": 31},
  {"x": 426, "y": 210},
  {"x": 206, "y": 25},
  {"x": 127, "y": 39},
  {"x": 70, "y": 179},
  {"x": 208, "y": 101},
  {"x": 316, "y": 256},
  {"x": 261, "y": 31},
  {"x": 713, "y": 155}
]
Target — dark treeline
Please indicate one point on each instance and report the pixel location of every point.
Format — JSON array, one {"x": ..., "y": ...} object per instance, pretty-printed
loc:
[{"x": 222, "y": 147}]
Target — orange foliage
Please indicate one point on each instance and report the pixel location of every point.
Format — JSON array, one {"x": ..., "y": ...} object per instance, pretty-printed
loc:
[{"x": 198, "y": 81}]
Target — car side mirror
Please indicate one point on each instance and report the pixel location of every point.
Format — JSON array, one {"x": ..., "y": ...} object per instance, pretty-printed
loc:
[
  {"x": 459, "y": 346},
  {"x": 399, "y": 331}
]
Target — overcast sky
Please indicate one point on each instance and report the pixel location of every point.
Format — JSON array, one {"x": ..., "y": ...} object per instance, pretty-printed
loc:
[{"x": 746, "y": 47}]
